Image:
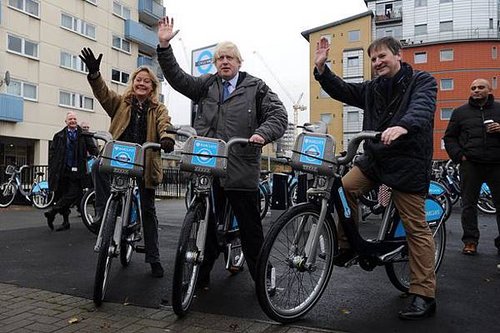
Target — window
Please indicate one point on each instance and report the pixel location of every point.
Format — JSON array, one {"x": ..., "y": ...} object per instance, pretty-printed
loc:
[
  {"x": 420, "y": 3},
  {"x": 78, "y": 26},
  {"x": 72, "y": 62},
  {"x": 491, "y": 23},
  {"x": 446, "y": 55},
  {"x": 420, "y": 57},
  {"x": 445, "y": 26},
  {"x": 120, "y": 10},
  {"x": 494, "y": 83},
  {"x": 74, "y": 100},
  {"x": 446, "y": 113},
  {"x": 22, "y": 46},
  {"x": 354, "y": 35},
  {"x": 121, "y": 44},
  {"x": 445, "y": 1},
  {"x": 494, "y": 52},
  {"x": 352, "y": 117},
  {"x": 328, "y": 38},
  {"x": 420, "y": 29},
  {"x": 446, "y": 84},
  {"x": 30, "y": 7},
  {"x": 26, "y": 90},
  {"x": 352, "y": 61},
  {"x": 119, "y": 76},
  {"x": 326, "y": 118}
]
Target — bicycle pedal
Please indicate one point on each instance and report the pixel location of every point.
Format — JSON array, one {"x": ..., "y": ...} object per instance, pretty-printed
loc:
[
  {"x": 390, "y": 255},
  {"x": 140, "y": 249},
  {"x": 235, "y": 269}
]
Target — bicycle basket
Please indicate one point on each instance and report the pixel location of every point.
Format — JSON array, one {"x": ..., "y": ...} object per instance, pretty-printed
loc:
[
  {"x": 10, "y": 169},
  {"x": 314, "y": 153},
  {"x": 204, "y": 155},
  {"x": 122, "y": 158}
]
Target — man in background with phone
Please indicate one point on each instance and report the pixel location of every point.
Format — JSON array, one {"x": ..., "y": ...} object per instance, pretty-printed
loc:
[{"x": 472, "y": 140}]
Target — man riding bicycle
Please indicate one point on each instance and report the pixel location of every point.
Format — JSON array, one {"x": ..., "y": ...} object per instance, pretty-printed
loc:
[
  {"x": 230, "y": 104},
  {"x": 400, "y": 103}
]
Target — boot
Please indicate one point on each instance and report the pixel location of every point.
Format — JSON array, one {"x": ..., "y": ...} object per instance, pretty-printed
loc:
[
  {"x": 50, "y": 215},
  {"x": 65, "y": 224}
]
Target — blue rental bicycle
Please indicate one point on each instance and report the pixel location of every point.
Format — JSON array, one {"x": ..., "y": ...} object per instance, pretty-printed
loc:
[{"x": 296, "y": 260}]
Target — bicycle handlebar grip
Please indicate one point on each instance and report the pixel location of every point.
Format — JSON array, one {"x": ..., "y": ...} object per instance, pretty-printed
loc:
[
  {"x": 352, "y": 148},
  {"x": 152, "y": 145},
  {"x": 233, "y": 141}
]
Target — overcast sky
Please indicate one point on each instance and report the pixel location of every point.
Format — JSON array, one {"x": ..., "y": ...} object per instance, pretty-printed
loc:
[{"x": 272, "y": 28}]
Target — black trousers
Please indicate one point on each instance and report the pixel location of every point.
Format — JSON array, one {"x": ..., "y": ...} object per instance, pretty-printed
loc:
[
  {"x": 149, "y": 220},
  {"x": 245, "y": 205},
  {"x": 69, "y": 191},
  {"x": 472, "y": 176}
]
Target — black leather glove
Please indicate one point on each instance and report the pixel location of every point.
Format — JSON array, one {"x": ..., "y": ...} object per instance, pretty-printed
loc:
[
  {"x": 167, "y": 144},
  {"x": 89, "y": 59}
]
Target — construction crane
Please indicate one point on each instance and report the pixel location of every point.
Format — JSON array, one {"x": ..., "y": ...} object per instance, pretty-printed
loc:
[{"x": 295, "y": 104}]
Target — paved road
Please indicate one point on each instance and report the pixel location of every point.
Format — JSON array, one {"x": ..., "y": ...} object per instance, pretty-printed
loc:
[{"x": 355, "y": 300}]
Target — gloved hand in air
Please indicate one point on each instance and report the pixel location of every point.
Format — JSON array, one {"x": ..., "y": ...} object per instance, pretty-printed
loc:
[
  {"x": 167, "y": 144},
  {"x": 89, "y": 59}
]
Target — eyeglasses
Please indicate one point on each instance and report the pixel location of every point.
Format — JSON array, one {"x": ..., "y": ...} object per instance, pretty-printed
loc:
[{"x": 477, "y": 87}]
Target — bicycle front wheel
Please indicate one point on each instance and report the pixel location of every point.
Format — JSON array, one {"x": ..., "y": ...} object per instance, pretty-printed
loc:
[
  {"x": 88, "y": 211},
  {"x": 187, "y": 260},
  {"x": 398, "y": 271},
  {"x": 287, "y": 288},
  {"x": 106, "y": 252},
  {"x": 8, "y": 192}
]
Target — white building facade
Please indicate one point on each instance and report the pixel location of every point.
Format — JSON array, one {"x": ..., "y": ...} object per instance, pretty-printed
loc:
[{"x": 39, "y": 46}]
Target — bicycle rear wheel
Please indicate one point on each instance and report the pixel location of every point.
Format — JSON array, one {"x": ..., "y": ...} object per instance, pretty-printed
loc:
[
  {"x": 106, "y": 252},
  {"x": 42, "y": 198},
  {"x": 398, "y": 271},
  {"x": 88, "y": 211},
  {"x": 127, "y": 248},
  {"x": 187, "y": 260},
  {"x": 485, "y": 204},
  {"x": 286, "y": 288},
  {"x": 8, "y": 192}
]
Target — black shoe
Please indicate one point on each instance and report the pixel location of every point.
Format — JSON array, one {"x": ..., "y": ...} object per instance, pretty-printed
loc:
[
  {"x": 64, "y": 226},
  {"x": 419, "y": 308},
  {"x": 50, "y": 215},
  {"x": 344, "y": 256},
  {"x": 156, "y": 270}
]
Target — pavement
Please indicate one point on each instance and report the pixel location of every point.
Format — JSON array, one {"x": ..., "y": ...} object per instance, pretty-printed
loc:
[{"x": 36, "y": 310}]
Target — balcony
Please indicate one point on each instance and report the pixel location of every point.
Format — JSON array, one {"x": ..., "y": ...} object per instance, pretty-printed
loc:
[
  {"x": 150, "y": 12},
  {"x": 11, "y": 108},
  {"x": 474, "y": 34},
  {"x": 146, "y": 38},
  {"x": 389, "y": 12}
]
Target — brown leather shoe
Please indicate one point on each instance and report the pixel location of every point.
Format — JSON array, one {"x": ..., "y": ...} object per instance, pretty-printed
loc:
[{"x": 470, "y": 249}]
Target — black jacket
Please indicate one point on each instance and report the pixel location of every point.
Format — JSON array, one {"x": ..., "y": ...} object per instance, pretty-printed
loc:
[
  {"x": 406, "y": 163},
  {"x": 466, "y": 134},
  {"x": 57, "y": 156}
]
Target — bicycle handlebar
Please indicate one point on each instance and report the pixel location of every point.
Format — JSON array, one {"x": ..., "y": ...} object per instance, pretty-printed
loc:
[
  {"x": 106, "y": 137},
  {"x": 352, "y": 148}
]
